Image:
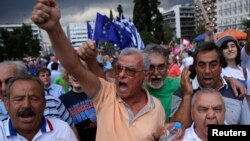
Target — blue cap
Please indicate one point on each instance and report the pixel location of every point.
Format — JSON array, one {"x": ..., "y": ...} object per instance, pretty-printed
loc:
[
  {"x": 177, "y": 125},
  {"x": 220, "y": 41}
]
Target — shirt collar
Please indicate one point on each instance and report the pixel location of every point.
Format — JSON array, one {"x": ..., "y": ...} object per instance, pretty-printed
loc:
[
  {"x": 150, "y": 101},
  {"x": 196, "y": 85},
  {"x": 46, "y": 127},
  {"x": 193, "y": 134}
]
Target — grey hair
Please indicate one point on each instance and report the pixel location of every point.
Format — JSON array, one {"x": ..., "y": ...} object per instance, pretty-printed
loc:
[
  {"x": 155, "y": 48},
  {"x": 27, "y": 78},
  {"x": 145, "y": 56},
  {"x": 205, "y": 91},
  {"x": 19, "y": 65}
]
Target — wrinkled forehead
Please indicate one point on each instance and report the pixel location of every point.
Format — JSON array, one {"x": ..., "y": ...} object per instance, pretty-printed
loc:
[
  {"x": 130, "y": 60},
  {"x": 207, "y": 56},
  {"x": 26, "y": 86},
  {"x": 209, "y": 99}
]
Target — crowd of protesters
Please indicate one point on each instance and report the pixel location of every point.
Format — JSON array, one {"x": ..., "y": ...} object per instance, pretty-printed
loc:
[{"x": 132, "y": 95}]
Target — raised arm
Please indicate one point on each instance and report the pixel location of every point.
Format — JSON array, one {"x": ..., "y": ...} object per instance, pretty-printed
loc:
[
  {"x": 209, "y": 32},
  {"x": 46, "y": 14},
  {"x": 183, "y": 113},
  {"x": 89, "y": 56},
  {"x": 238, "y": 88}
]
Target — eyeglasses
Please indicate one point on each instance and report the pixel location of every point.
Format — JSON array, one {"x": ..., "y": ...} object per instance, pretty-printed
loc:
[
  {"x": 159, "y": 68},
  {"x": 128, "y": 70}
]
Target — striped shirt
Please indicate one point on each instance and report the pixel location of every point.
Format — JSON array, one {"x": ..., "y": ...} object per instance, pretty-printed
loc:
[{"x": 55, "y": 108}]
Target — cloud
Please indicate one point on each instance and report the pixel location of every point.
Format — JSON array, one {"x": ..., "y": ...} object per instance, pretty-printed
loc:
[
  {"x": 89, "y": 14},
  {"x": 16, "y": 11}
]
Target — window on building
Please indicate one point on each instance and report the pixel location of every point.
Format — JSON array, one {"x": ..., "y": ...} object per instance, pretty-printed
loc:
[{"x": 240, "y": 6}]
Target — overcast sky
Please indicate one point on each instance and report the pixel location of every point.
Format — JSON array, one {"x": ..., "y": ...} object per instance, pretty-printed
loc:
[{"x": 19, "y": 11}]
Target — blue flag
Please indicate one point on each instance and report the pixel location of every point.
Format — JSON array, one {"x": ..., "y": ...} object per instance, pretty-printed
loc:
[
  {"x": 124, "y": 36},
  {"x": 114, "y": 36},
  {"x": 102, "y": 26},
  {"x": 121, "y": 32},
  {"x": 90, "y": 30}
]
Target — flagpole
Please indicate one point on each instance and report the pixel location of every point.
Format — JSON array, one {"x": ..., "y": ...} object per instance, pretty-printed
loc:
[{"x": 204, "y": 13}]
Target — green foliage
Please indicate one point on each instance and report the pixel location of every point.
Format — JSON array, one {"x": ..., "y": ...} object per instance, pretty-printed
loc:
[
  {"x": 148, "y": 20},
  {"x": 168, "y": 33},
  {"x": 200, "y": 29},
  {"x": 107, "y": 48},
  {"x": 246, "y": 23},
  {"x": 18, "y": 43},
  {"x": 147, "y": 37}
]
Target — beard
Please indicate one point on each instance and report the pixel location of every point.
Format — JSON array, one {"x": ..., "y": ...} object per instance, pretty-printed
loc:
[{"x": 155, "y": 82}]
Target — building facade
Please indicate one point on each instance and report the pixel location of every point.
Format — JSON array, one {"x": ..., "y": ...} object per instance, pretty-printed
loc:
[
  {"x": 231, "y": 13},
  {"x": 210, "y": 9},
  {"x": 78, "y": 33},
  {"x": 181, "y": 20}
]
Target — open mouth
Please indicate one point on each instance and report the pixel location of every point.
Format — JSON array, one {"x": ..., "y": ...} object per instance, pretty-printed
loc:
[
  {"x": 156, "y": 79},
  {"x": 27, "y": 119},
  {"x": 208, "y": 79},
  {"x": 123, "y": 86}
]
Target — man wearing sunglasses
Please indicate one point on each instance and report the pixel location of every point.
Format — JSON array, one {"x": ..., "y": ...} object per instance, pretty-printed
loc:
[
  {"x": 158, "y": 84},
  {"x": 125, "y": 110}
]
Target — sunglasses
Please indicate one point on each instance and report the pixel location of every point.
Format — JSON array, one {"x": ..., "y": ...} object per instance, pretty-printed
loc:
[{"x": 128, "y": 70}]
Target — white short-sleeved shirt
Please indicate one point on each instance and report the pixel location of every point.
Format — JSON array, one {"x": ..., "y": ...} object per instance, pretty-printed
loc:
[
  {"x": 51, "y": 129},
  {"x": 239, "y": 75},
  {"x": 190, "y": 134}
]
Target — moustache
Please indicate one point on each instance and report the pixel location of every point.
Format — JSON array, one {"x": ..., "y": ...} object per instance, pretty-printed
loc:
[
  {"x": 25, "y": 113},
  {"x": 155, "y": 77}
]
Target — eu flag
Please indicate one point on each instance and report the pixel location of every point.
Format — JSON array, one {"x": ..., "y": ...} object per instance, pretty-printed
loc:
[
  {"x": 102, "y": 26},
  {"x": 90, "y": 30},
  {"x": 124, "y": 36}
]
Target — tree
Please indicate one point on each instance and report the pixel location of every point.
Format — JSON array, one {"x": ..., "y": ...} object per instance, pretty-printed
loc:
[
  {"x": 147, "y": 18},
  {"x": 107, "y": 48},
  {"x": 200, "y": 29},
  {"x": 111, "y": 17},
  {"x": 18, "y": 43},
  {"x": 246, "y": 23},
  {"x": 168, "y": 33},
  {"x": 120, "y": 11}
]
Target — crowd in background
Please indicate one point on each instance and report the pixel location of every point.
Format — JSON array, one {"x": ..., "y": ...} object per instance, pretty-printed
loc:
[{"x": 129, "y": 95}]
